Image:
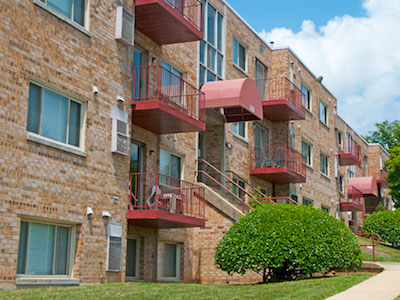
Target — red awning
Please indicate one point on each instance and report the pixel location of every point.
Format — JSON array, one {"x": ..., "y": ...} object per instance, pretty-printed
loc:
[
  {"x": 239, "y": 98},
  {"x": 367, "y": 185}
]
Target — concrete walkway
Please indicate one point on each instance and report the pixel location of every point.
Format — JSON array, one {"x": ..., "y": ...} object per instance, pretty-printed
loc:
[{"x": 384, "y": 286}]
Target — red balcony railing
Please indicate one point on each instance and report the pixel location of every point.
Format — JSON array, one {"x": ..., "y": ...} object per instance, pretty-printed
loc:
[
  {"x": 170, "y": 21},
  {"x": 354, "y": 200},
  {"x": 160, "y": 91},
  {"x": 158, "y": 192},
  {"x": 282, "y": 100},
  {"x": 349, "y": 153},
  {"x": 279, "y": 157},
  {"x": 383, "y": 176},
  {"x": 191, "y": 10}
]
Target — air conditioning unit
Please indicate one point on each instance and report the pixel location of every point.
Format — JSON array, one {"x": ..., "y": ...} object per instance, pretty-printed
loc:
[
  {"x": 120, "y": 132},
  {"x": 125, "y": 26},
  {"x": 114, "y": 247}
]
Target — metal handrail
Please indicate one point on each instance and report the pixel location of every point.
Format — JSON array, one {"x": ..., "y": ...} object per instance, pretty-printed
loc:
[
  {"x": 373, "y": 234},
  {"x": 353, "y": 149},
  {"x": 263, "y": 196},
  {"x": 226, "y": 178},
  {"x": 187, "y": 11}
]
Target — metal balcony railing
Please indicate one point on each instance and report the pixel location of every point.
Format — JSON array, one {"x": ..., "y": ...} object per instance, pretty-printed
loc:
[
  {"x": 278, "y": 156},
  {"x": 191, "y": 10},
  {"x": 350, "y": 147},
  {"x": 155, "y": 83},
  {"x": 353, "y": 195},
  {"x": 281, "y": 88},
  {"x": 154, "y": 191}
]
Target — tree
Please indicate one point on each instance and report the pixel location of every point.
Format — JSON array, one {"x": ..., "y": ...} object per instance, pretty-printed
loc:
[
  {"x": 282, "y": 240},
  {"x": 394, "y": 174},
  {"x": 385, "y": 223},
  {"x": 387, "y": 134}
]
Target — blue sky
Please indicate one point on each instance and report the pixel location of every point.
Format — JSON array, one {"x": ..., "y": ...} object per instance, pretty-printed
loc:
[
  {"x": 268, "y": 14},
  {"x": 353, "y": 44}
]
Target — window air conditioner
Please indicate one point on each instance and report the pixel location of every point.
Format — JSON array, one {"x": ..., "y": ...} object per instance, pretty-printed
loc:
[{"x": 125, "y": 26}]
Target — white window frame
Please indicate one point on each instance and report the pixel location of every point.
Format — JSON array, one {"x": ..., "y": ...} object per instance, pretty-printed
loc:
[
  {"x": 309, "y": 153},
  {"x": 206, "y": 44},
  {"x": 70, "y": 20},
  {"x": 307, "y": 98},
  {"x": 351, "y": 172},
  {"x": 37, "y": 137},
  {"x": 327, "y": 164},
  {"x": 237, "y": 59},
  {"x": 236, "y": 190},
  {"x": 326, "y": 113},
  {"x": 160, "y": 261},
  {"x": 137, "y": 269},
  {"x": 236, "y": 133},
  {"x": 71, "y": 250}
]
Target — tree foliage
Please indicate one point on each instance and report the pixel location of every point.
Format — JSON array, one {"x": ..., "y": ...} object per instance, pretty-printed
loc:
[
  {"x": 385, "y": 223},
  {"x": 280, "y": 240},
  {"x": 394, "y": 174},
  {"x": 387, "y": 134}
]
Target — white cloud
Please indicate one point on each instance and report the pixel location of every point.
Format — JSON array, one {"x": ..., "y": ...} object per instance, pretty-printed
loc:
[{"x": 359, "y": 58}]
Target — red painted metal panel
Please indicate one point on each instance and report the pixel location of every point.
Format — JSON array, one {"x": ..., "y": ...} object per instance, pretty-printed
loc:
[
  {"x": 354, "y": 201},
  {"x": 159, "y": 200},
  {"x": 167, "y": 23},
  {"x": 278, "y": 163},
  {"x": 367, "y": 185},
  {"x": 383, "y": 177},
  {"x": 165, "y": 103},
  {"x": 349, "y": 153},
  {"x": 239, "y": 98},
  {"x": 281, "y": 99}
]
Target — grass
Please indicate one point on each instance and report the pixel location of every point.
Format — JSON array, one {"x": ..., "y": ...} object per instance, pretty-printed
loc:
[
  {"x": 383, "y": 253},
  {"x": 304, "y": 289}
]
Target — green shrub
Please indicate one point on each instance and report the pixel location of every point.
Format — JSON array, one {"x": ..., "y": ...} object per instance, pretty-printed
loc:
[
  {"x": 385, "y": 223},
  {"x": 282, "y": 240}
]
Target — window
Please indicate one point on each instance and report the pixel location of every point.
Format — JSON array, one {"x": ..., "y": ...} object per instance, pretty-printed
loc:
[
  {"x": 306, "y": 150},
  {"x": 211, "y": 48},
  {"x": 239, "y": 55},
  {"x": 307, "y": 202},
  {"x": 114, "y": 247},
  {"x": 140, "y": 74},
  {"x": 261, "y": 79},
  {"x": 74, "y": 10},
  {"x": 293, "y": 76},
  {"x": 324, "y": 164},
  {"x": 260, "y": 136},
  {"x": 341, "y": 187},
  {"x": 325, "y": 208},
  {"x": 323, "y": 113},
  {"x": 44, "y": 249},
  {"x": 132, "y": 258},
  {"x": 239, "y": 129},
  {"x": 350, "y": 172},
  {"x": 170, "y": 164},
  {"x": 365, "y": 166},
  {"x": 307, "y": 97},
  {"x": 172, "y": 84},
  {"x": 292, "y": 138},
  {"x": 238, "y": 192},
  {"x": 55, "y": 116},
  {"x": 340, "y": 140},
  {"x": 169, "y": 257}
]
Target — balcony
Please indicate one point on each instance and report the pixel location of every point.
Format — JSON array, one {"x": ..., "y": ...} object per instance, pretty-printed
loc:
[
  {"x": 165, "y": 103},
  {"x": 160, "y": 201},
  {"x": 281, "y": 99},
  {"x": 170, "y": 21},
  {"x": 349, "y": 153},
  {"x": 278, "y": 163},
  {"x": 353, "y": 201},
  {"x": 382, "y": 177}
]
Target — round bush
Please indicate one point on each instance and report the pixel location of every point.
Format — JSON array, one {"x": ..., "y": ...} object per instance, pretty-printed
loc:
[
  {"x": 282, "y": 240},
  {"x": 385, "y": 223}
]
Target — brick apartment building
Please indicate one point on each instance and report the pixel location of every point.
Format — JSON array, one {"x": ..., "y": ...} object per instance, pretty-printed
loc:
[{"x": 135, "y": 133}]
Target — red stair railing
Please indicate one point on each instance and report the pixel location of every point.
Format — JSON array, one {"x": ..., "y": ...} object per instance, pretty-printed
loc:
[
  {"x": 373, "y": 245},
  {"x": 224, "y": 178}
]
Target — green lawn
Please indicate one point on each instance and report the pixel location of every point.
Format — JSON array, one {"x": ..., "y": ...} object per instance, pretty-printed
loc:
[
  {"x": 382, "y": 252},
  {"x": 304, "y": 289}
]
